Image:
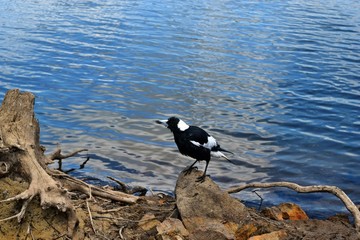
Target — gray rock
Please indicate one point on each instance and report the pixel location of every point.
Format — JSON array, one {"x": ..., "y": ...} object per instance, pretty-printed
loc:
[{"x": 206, "y": 211}]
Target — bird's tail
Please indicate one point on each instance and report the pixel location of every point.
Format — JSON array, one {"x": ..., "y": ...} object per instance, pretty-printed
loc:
[
  {"x": 223, "y": 150},
  {"x": 219, "y": 153}
]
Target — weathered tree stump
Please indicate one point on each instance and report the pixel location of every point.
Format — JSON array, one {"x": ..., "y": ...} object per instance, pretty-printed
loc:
[
  {"x": 20, "y": 147},
  {"x": 21, "y": 155}
]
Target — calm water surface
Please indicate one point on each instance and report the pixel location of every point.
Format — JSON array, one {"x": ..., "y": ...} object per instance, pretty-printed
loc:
[{"x": 276, "y": 82}]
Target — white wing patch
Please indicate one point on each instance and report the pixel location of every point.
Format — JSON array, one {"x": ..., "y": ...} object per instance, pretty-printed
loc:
[
  {"x": 209, "y": 145},
  {"x": 182, "y": 125},
  {"x": 196, "y": 143}
]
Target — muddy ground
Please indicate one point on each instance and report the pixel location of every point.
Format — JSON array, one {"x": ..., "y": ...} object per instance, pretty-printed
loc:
[{"x": 105, "y": 219}]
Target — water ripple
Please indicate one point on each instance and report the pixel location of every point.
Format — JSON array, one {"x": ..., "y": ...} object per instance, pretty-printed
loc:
[{"x": 277, "y": 83}]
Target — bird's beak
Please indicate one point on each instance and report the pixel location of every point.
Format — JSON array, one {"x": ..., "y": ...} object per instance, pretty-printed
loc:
[{"x": 164, "y": 122}]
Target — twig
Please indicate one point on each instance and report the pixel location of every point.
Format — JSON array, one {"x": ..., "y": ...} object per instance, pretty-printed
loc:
[
  {"x": 122, "y": 185},
  {"x": 103, "y": 236},
  {"x": 83, "y": 164},
  {"x": 308, "y": 189},
  {"x": 111, "y": 210},
  {"x": 151, "y": 191},
  {"x": 127, "y": 189},
  {"x": 57, "y": 155},
  {"x": 90, "y": 191},
  {"x": 261, "y": 199},
  {"x": 120, "y": 219},
  {"x": 90, "y": 216},
  {"x": 159, "y": 209},
  {"x": 73, "y": 169},
  {"x": 62, "y": 236},
  {"x": 50, "y": 225},
  {"x": 120, "y": 232},
  {"x": 29, "y": 232}
]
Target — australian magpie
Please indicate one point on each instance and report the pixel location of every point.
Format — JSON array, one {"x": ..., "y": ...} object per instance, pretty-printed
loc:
[{"x": 194, "y": 142}]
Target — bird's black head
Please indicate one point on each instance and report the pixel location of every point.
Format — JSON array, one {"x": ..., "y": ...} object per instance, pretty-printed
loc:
[{"x": 174, "y": 124}]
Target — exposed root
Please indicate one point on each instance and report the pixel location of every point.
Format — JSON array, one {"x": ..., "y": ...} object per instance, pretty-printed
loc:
[
  {"x": 51, "y": 195},
  {"x": 73, "y": 184},
  {"x": 308, "y": 189},
  {"x": 20, "y": 146},
  {"x": 21, "y": 214},
  {"x": 23, "y": 195},
  {"x": 29, "y": 232}
]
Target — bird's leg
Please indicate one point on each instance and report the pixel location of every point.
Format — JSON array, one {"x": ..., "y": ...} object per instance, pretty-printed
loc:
[
  {"x": 190, "y": 168},
  {"x": 202, "y": 177}
]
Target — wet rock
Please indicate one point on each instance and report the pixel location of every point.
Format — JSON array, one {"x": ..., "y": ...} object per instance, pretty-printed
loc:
[
  {"x": 206, "y": 211},
  {"x": 276, "y": 235},
  {"x": 285, "y": 211}
]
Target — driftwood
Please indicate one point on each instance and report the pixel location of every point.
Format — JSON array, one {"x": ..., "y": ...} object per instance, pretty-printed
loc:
[
  {"x": 308, "y": 189},
  {"x": 22, "y": 155}
]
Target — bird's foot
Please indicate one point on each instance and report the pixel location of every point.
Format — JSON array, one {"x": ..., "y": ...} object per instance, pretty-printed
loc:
[
  {"x": 201, "y": 179},
  {"x": 188, "y": 170}
]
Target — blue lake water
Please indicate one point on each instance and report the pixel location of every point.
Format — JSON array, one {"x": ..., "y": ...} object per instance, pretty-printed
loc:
[{"x": 276, "y": 82}]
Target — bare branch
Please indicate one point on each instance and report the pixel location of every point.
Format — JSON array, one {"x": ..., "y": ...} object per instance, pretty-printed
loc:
[
  {"x": 121, "y": 184},
  {"x": 57, "y": 155},
  {"x": 307, "y": 189},
  {"x": 129, "y": 190}
]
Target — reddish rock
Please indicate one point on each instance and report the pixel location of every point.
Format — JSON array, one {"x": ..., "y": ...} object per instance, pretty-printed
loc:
[
  {"x": 276, "y": 235},
  {"x": 285, "y": 211},
  {"x": 245, "y": 232}
]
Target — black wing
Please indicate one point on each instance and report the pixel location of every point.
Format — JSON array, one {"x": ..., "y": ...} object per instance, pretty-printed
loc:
[
  {"x": 186, "y": 147},
  {"x": 197, "y": 134}
]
